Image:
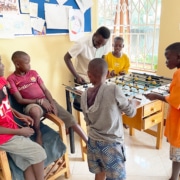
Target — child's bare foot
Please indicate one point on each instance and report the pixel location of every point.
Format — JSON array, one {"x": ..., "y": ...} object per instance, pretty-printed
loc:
[{"x": 39, "y": 138}]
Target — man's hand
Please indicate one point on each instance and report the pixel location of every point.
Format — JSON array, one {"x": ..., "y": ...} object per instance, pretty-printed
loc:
[
  {"x": 80, "y": 80},
  {"x": 25, "y": 131}
]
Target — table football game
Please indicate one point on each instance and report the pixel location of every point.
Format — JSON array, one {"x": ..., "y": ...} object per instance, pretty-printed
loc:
[{"x": 149, "y": 113}]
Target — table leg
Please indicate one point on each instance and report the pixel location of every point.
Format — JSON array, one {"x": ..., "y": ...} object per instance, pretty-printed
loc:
[{"x": 71, "y": 131}]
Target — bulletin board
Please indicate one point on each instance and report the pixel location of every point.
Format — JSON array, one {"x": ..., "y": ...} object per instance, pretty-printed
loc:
[
  {"x": 11, "y": 24},
  {"x": 41, "y": 14}
]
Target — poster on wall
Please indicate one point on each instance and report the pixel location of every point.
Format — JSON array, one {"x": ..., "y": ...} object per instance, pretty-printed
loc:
[{"x": 76, "y": 24}]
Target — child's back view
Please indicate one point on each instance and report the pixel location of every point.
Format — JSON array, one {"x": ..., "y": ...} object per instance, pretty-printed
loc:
[{"x": 102, "y": 106}]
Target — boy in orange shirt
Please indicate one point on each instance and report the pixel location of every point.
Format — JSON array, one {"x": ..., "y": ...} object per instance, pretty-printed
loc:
[
  {"x": 172, "y": 129},
  {"x": 118, "y": 62}
]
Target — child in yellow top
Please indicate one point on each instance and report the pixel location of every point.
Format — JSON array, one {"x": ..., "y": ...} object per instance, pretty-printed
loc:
[
  {"x": 118, "y": 62},
  {"x": 172, "y": 130}
]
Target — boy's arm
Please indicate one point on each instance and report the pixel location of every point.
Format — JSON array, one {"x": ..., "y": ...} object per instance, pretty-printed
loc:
[
  {"x": 24, "y": 118},
  {"x": 25, "y": 131},
  {"x": 69, "y": 64},
  {"x": 49, "y": 103},
  {"x": 153, "y": 96},
  {"x": 47, "y": 93}
]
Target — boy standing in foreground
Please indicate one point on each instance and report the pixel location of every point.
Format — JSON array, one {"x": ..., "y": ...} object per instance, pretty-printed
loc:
[
  {"x": 102, "y": 107},
  {"x": 172, "y": 129}
]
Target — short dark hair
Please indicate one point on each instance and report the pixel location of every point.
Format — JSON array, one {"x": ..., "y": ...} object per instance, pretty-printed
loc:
[
  {"x": 17, "y": 54},
  {"x": 104, "y": 32},
  {"x": 98, "y": 66},
  {"x": 118, "y": 38},
  {"x": 174, "y": 47}
]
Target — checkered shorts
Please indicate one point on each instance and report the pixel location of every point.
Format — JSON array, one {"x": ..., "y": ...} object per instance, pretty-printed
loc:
[
  {"x": 107, "y": 157},
  {"x": 174, "y": 154}
]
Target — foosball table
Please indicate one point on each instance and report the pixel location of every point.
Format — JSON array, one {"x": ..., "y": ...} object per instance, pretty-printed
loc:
[{"x": 149, "y": 113}]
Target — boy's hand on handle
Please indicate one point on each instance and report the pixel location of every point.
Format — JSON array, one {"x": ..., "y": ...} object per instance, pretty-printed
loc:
[
  {"x": 122, "y": 73},
  {"x": 25, "y": 131},
  {"x": 151, "y": 96},
  {"x": 112, "y": 73}
]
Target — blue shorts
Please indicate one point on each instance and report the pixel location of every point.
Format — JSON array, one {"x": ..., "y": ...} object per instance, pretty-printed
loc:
[{"x": 107, "y": 157}]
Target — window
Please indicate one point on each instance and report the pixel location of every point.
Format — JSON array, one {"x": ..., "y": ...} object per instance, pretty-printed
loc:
[{"x": 137, "y": 21}]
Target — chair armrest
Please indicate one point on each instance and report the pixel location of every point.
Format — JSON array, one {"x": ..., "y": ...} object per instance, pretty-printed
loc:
[
  {"x": 5, "y": 172},
  {"x": 60, "y": 124}
]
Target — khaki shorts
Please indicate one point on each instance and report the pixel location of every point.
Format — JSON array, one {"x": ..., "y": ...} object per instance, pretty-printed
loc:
[
  {"x": 64, "y": 115},
  {"x": 174, "y": 154},
  {"x": 24, "y": 151},
  {"x": 29, "y": 106}
]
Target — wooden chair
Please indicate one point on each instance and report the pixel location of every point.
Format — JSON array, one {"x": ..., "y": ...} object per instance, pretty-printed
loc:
[{"x": 54, "y": 143}]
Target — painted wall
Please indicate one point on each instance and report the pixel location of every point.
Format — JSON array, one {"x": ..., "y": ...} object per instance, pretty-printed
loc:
[{"x": 169, "y": 32}]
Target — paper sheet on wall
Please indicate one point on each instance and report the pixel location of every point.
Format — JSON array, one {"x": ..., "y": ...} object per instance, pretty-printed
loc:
[
  {"x": 33, "y": 9},
  {"x": 9, "y": 7},
  {"x": 56, "y": 16},
  {"x": 37, "y": 24},
  {"x": 76, "y": 24},
  {"x": 6, "y": 30},
  {"x": 84, "y": 4},
  {"x": 20, "y": 24},
  {"x": 24, "y": 6}
]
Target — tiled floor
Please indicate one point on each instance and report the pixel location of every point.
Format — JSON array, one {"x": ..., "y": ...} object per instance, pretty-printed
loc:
[{"x": 144, "y": 161}]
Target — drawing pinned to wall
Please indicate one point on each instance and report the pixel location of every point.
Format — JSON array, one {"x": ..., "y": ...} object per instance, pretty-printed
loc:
[
  {"x": 9, "y": 6},
  {"x": 37, "y": 24},
  {"x": 43, "y": 32},
  {"x": 76, "y": 24},
  {"x": 6, "y": 30},
  {"x": 84, "y": 4},
  {"x": 24, "y": 6},
  {"x": 55, "y": 22},
  {"x": 33, "y": 9},
  {"x": 56, "y": 16},
  {"x": 19, "y": 23}
]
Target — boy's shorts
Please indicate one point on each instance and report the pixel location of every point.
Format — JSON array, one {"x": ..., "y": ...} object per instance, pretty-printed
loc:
[
  {"x": 174, "y": 154},
  {"x": 29, "y": 106},
  {"x": 64, "y": 115},
  {"x": 107, "y": 157},
  {"x": 24, "y": 151}
]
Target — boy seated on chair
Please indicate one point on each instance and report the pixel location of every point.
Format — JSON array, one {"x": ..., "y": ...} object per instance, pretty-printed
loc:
[
  {"x": 28, "y": 89},
  {"x": 27, "y": 155}
]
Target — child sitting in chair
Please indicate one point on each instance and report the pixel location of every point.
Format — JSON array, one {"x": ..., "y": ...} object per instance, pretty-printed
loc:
[
  {"x": 29, "y": 90},
  {"x": 27, "y": 155}
]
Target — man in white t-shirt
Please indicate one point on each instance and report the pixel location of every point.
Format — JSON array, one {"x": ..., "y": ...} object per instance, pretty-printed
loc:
[{"x": 86, "y": 49}]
